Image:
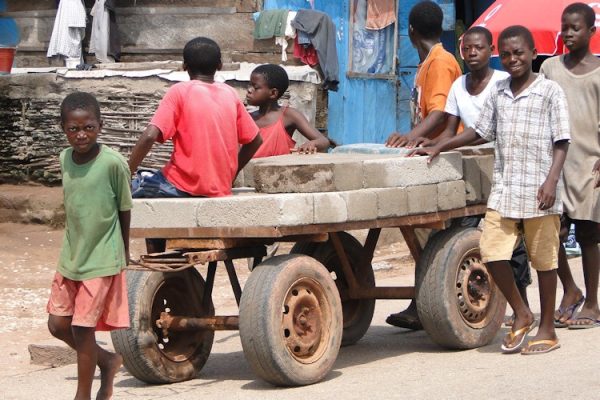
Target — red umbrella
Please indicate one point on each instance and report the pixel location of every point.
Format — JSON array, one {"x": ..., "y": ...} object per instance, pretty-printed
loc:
[{"x": 541, "y": 17}]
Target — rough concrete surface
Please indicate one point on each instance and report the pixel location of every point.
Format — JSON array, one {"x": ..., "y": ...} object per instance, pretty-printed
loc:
[
  {"x": 451, "y": 195},
  {"x": 337, "y": 172}
]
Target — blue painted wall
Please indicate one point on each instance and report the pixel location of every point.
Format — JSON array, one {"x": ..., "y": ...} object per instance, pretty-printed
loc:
[{"x": 368, "y": 110}]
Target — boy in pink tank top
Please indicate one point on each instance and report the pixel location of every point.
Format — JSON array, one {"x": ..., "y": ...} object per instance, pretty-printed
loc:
[{"x": 277, "y": 124}]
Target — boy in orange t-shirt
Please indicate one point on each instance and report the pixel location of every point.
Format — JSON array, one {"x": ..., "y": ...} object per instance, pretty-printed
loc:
[
  {"x": 435, "y": 74},
  {"x": 437, "y": 70}
]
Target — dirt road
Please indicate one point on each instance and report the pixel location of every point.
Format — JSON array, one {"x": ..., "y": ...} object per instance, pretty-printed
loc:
[{"x": 387, "y": 363}]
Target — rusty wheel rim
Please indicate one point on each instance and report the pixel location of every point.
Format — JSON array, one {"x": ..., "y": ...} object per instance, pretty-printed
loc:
[
  {"x": 305, "y": 317},
  {"x": 171, "y": 297},
  {"x": 474, "y": 290}
]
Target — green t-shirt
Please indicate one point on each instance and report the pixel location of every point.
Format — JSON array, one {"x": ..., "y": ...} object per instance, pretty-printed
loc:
[{"x": 94, "y": 193}]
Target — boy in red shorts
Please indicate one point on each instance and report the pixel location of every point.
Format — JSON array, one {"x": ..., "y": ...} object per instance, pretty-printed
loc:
[{"x": 88, "y": 291}]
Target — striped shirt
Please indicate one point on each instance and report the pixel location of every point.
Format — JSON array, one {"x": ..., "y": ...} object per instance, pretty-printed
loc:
[{"x": 525, "y": 129}]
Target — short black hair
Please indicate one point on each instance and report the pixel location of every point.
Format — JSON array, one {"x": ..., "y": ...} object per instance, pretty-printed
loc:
[
  {"x": 202, "y": 55},
  {"x": 587, "y": 12},
  {"x": 79, "y": 101},
  {"x": 275, "y": 76},
  {"x": 426, "y": 18},
  {"x": 517, "y": 31},
  {"x": 482, "y": 31}
]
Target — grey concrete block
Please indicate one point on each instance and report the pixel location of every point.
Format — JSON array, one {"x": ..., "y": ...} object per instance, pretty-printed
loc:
[
  {"x": 486, "y": 165},
  {"x": 451, "y": 195},
  {"x": 308, "y": 173},
  {"x": 412, "y": 171},
  {"x": 361, "y": 205},
  {"x": 422, "y": 199},
  {"x": 329, "y": 208},
  {"x": 391, "y": 202},
  {"x": 255, "y": 210},
  {"x": 472, "y": 179},
  {"x": 164, "y": 213}
]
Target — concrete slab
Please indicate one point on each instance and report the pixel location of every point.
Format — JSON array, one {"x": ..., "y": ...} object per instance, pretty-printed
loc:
[
  {"x": 486, "y": 166},
  {"x": 361, "y": 205},
  {"x": 412, "y": 171},
  {"x": 329, "y": 208},
  {"x": 422, "y": 199},
  {"x": 164, "y": 213},
  {"x": 451, "y": 195},
  {"x": 472, "y": 179},
  {"x": 308, "y": 173},
  {"x": 391, "y": 202},
  {"x": 341, "y": 172},
  {"x": 255, "y": 210}
]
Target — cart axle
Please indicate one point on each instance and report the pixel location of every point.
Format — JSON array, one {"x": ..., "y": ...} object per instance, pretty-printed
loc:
[{"x": 168, "y": 322}]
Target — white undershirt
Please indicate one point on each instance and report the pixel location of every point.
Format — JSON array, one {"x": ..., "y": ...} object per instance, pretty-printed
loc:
[{"x": 461, "y": 104}]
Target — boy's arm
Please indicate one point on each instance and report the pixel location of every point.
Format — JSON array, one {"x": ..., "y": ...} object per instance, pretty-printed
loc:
[
  {"x": 294, "y": 120},
  {"x": 447, "y": 133},
  {"x": 125, "y": 222},
  {"x": 429, "y": 124},
  {"x": 143, "y": 146},
  {"x": 546, "y": 195},
  {"x": 469, "y": 135},
  {"x": 247, "y": 151}
]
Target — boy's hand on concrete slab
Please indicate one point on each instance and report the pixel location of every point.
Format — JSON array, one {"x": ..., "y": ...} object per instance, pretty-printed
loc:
[
  {"x": 546, "y": 195},
  {"x": 398, "y": 140},
  {"x": 419, "y": 142},
  {"x": 306, "y": 148},
  {"x": 431, "y": 152}
]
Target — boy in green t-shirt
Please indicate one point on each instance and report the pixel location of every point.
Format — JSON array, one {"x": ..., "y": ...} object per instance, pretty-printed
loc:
[{"x": 88, "y": 291}]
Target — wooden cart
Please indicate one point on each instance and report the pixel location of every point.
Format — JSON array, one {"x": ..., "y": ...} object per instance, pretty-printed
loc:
[{"x": 296, "y": 310}]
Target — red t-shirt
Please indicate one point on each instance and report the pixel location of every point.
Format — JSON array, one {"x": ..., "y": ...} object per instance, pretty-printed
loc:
[{"x": 206, "y": 122}]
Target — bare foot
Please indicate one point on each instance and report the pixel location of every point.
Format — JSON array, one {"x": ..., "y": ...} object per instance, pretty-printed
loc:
[{"x": 107, "y": 376}]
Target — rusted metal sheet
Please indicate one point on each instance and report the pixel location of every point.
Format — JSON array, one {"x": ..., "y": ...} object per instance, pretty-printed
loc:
[{"x": 202, "y": 257}]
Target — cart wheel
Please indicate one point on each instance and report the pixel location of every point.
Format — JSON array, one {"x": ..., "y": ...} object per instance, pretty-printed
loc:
[
  {"x": 358, "y": 313},
  {"x": 147, "y": 354},
  {"x": 459, "y": 305},
  {"x": 290, "y": 320}
]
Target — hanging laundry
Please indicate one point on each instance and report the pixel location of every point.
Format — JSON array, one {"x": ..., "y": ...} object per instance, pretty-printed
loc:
[
  {"x": 68, "y": 32},
  {"x": 380, "y": 14},
  {"x": 114, "y": 40},
  {"x": 270, "y": 23},
  {"x": 322, "y": 32},
  {"x": 100, "y": 32},
  {"x": 290, "y": 33},
  {"x": 306, "y": 53}
]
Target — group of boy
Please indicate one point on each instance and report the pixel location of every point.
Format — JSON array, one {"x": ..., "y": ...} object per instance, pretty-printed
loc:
[
  {"x": 533, "y": 120},
  {"x": 214, "y": 137}
]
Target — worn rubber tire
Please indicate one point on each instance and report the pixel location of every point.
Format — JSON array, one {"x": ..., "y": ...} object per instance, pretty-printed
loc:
[
  {"x": 441, "y": 294},
  {"x": 266, "y": 310},
  {"x": 185, "y": 353},
  {"x": 358, "y": 313}
]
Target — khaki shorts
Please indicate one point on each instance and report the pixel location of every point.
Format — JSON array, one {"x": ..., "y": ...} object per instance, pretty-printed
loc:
[{"x": 500, "y": 236}]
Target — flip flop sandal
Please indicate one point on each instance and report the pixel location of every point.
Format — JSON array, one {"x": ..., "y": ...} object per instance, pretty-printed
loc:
[
  {"x": 594, "y": 323},
  {"x": 569, "y": 312},
  {"x": 552, "y": 345},
  {"x": 523, "y": 332}
]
